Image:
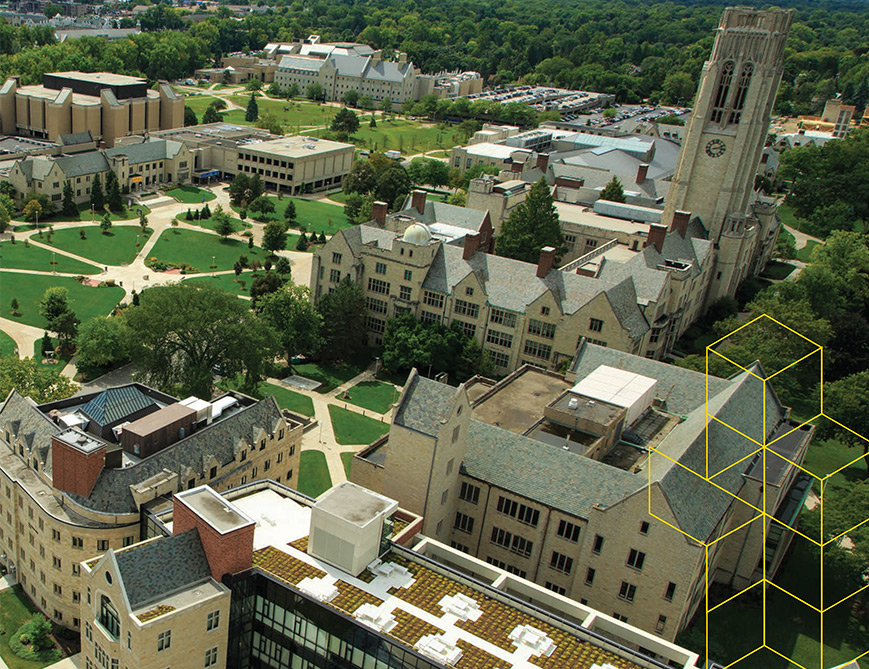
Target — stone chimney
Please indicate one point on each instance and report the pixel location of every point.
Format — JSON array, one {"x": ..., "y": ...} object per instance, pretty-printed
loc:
[
  {"x": 656, "y": 236},
  {"x": 77, "y": 460},
  {"x": 642, "y": 171},
  {"x": 225, "y": 531},
  {"x": 417, "y": 201},
  {"x": 547, "y": 258},
  {"x": 542, "y": 161},
  {"x": 680, "y": 222},
  {"x": 472, "y": 243},
  {"x": 378, "y": 212}
]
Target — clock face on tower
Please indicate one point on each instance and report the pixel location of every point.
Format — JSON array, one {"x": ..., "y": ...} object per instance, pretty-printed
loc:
[{"x": 715, "y": 148}]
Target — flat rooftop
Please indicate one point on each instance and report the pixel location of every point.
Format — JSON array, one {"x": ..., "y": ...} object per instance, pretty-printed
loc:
[
  {"x": 297, "y": 146},
  {"x": 354, "y": 503},
  {"x": 518, "y": 402},
  {"x": 107, "y": 78},
  {"x": 587, "y": 407},
  {"x": 578, "y": 214},
  {"x": 408, "y": 598},
  {"x": 159, "y": 418},
  {"x": 80, "y": 440},
  {"x": 222, "y": 515}
]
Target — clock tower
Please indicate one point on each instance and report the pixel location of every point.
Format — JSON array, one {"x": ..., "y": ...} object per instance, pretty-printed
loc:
[{"x": 714, "y": 178}]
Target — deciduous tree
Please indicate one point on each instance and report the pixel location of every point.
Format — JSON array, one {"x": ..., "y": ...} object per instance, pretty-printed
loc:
[
  {"x": 290, "y": 312},
  {"x": 344, "y": 313}
]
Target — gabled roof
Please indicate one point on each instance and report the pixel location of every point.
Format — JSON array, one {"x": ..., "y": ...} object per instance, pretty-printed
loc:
[
  {"x": 301, "y": 63},
  {"x": 76, "y": 138},
  {"x": 111, "y": 492},
  {"x": 114, "y": 404},
  {"x": 82, "y": 164},
  {"x": 160, "y": 567},
  {"x": 441, "y": 212},
  {"x": 28, "y": 423},
  {"x": 425, "y": 404},
  {"x": 146, "y": 152}
]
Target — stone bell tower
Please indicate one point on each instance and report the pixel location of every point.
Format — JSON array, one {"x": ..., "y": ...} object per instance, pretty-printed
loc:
[{"x": 714, "y": 177}]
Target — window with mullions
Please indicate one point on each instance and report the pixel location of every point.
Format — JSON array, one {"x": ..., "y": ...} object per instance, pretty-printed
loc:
[
  {"x": 720, "y": 100},
  {"x": 741, "y": 92},
  {"x": 109, "y": 617}
]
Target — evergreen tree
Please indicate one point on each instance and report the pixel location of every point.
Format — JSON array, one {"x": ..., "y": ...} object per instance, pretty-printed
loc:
[
  {"x": 211, "y": 115},
  {"x": 613, "y": 191},
  {"x": 106, "y": 223},
  {"x": 252, "y": 112},
  {"x": 190, "y": 116},
  {"x": 69, "y": 206},
  {"x": 345, "y": 122},
  {"x": 97, "y": 199},
  {"x": 532, "y": 226},
  {"x": 302, "y": 244},
  {"x": 113, "y": 193},
  {"x": 290, "y": 211}
]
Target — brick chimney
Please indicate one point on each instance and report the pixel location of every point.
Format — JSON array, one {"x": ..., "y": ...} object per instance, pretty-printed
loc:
[
  {"x": 542, "y": 161},
  {"x": 472, "y": 243},
  {"x": 680, "y": 222},
  {"x": 656, "y": 236},
  {"x": 378, "y": 212},
  {"x": 417, "y": 201},
  {"x": 225, "y": 531},
  {"x": 516, "y": 167},
  {"x": 547, "y": 258},
  {"x": 77, "y": 460},
  {"x": 642, "y": 171}
]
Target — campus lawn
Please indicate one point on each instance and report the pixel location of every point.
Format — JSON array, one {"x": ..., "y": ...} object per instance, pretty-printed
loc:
[
  {"x": 805, "y": 253},
  {"x": 313, "y": 215},
  {"x": 409, "y": 137},
  {"x": 237, "y": 224},
  {"x": 240, "y": 285},
  {"x": 372, "y": 395},
  {"x": 7, "y": 344},
  {"x": 353, "y": 428},
  {"x": 191, "y": 194},
  {"x": 330, "y": 376},
  {"x": 314, "y": 478},
  {"x": 84, "y": 215},
  {"x": 289, "y": 399},
  {"x": 15, "y": 610},
  {"x": 85, "y": 301},
  {"x": 19, "y": 256},
  {"x": 198, "y": 248},
  {"x": 292, "y": 114},
  {"x": 777, "y": 271},
  {"x": 347, "y": 461},
  {"x": 119, "y": 247},
  {"x": 199, "y": 102},
  {"x": 37, "y": 353},
  {"x": 338, "y": 196}
]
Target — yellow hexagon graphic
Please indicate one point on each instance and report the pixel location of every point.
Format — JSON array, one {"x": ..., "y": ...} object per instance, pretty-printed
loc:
[{"x": 776, "y": 461}]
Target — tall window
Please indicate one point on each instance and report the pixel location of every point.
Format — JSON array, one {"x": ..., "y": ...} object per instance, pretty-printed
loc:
[
  {"x": 721, "y": 94},
  {"x": 741, "y": 92},
  {"x": 109, "y": 617},
  {"x": 164, "y": 640}
]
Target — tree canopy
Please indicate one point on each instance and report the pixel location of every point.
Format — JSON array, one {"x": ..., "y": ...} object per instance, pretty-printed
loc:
[
  {"x": 290, "y": 312},
  {"x": 532, "y": 225},
  {"x": 29, "y": 378},
  {"x": 343, "y": 312}
]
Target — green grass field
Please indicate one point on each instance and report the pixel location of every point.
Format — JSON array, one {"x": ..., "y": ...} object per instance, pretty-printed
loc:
[
  {"x": 85, "y": 301},
  {"x": 372, "y": 395},
  {"x": 347, "y": 461},
  {"x": 237, "y": 224},
  {"x": 353, "y": 428},
  {"x": 191, "y": 194},
  {"x": 330, "y": 376},
  {"x": 314, "y": 478},
  {"x": 315, "y": 216},
  {"x": 37, "y": 353},
  {"x": 84, "y": 215},
  {"x": 198, "y": 248},
  {"x": 119, "y": 247},
  {"x": 199, "y": 102},
  {"x": 805, "y": 253},
  {"x": 777, "y": 271},
  {"x": 240, "y": 285},
  {"x": 289, "y": 399},
  {"x": 7, "y": 344},
  {"x": 15, "y": 610},
  {"x": 19, "y": 256},
  {"x": 409, "y": 137},
  {"x": 293, "y": 114}
]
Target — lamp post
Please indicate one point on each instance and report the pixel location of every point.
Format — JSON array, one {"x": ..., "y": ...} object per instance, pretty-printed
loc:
[{"x": 213, "y": 266}]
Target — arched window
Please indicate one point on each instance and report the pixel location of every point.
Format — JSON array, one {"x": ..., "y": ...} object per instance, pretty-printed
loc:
[
  {"x": 741, "y": 92},
  {"x": 721, "y": 94},
  {"x": 109, "y": 617}
]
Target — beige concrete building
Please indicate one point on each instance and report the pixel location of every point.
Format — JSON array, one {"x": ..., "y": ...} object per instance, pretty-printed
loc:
[
  {"x": 108, "y": 105},
  {"x": 140, "y": 166},
  {"x": 71, "y": 487},
  {"x": 547, "y": 477}
]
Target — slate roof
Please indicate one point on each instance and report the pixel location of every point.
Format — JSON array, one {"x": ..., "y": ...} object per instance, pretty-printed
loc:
[
  {"x": 146, "y": 152},
  {"x": 544, "y": 473},
  {"x": 163, "y": 566},
  {"x": 301, "y": 63},
  {"x": 36, "y": 167},
  {"x": 426, "y": 403},
  {"x": 82, "y": 164},
  {"x": 28, "y": 423},
  {"x": 349, "y": 66},
  {"x": 111, "y": 492},
  {"x": 599, "y": 176},
  {"x": 648, "y": 281},
  {"x": 113, "y": 404},
  {"x": 359, "y": 235},
  {"x": 76, "y": 138},
  {"x": 441, "y": 212},
  {"x": 388, "y": 71}
]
